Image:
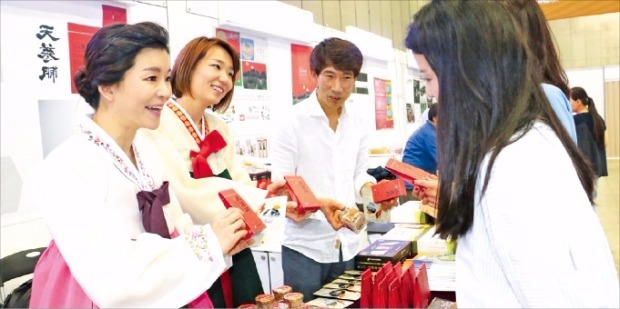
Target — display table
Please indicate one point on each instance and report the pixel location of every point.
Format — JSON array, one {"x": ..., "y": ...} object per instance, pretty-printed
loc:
[{"x": 267, "y": 252}]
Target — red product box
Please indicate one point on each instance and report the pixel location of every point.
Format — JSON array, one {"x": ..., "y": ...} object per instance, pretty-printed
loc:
[
  {"x": 394, "y": 295},
  {"x": 387, "y": 190},
  {"x": 366, "y": 291},
  {"x": 253, "y": 223},
  {"x": 421, "y": 287},
  {"x": 406, "y": 171},
  {"x": 301, "y": 193}
]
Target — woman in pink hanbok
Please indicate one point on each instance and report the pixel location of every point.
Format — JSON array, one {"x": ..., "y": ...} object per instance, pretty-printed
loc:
[{"x": 119, "y": 236}]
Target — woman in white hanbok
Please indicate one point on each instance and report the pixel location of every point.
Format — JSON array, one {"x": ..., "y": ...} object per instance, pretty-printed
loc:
[{"x": 119, "y": 236}]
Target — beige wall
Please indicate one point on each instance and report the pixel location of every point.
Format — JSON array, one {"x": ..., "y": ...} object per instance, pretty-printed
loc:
[
  {"x": 612, "y": 121},
  {"x": 588, "y": 41},
  {"x": 594, "y": 41},
  {"x": 386, "y": 18}
]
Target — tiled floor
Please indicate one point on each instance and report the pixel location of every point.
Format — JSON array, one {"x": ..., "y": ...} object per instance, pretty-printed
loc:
[{"x": 608, "y": 201}]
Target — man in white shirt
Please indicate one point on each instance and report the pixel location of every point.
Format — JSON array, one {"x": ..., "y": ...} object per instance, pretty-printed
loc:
[{"x": 321, "y": 140}]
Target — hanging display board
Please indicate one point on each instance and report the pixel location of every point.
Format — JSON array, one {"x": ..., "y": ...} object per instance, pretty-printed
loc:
[{"x": 384, "y": 113}]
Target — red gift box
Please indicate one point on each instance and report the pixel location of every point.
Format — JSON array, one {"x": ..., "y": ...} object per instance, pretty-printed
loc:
[
  {"x": 406, "y": 171},
  {"x": 406, "y": 288},
  {"x": 414, "y": 297},
  {"x": 253, "y": 224},
  {"x": 421, "y": 289},
  {"x": 394, "y": 295},
  {"x": 366, "y": 291},
  {"x": 379, "y": 294},
  {"x": 301, "y": 193},
  {"x": 387, "y": 190}
]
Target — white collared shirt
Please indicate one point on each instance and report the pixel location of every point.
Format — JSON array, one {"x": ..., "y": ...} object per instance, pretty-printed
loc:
[{"x": 334, "y": 165}]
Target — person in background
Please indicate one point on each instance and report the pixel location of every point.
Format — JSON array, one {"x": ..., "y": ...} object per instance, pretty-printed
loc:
[
  {"x": 324, "y": 141},
  {"x": 421, "y": 148},
  {"x": 531, "y": 19},
  {"x": 119, "y": 237},
  {"x": 202, "y": 83},
  {"x": 539, "y": 39},
  {"x": 513, "y": 251},
  {"x": 592, "y": 138}
]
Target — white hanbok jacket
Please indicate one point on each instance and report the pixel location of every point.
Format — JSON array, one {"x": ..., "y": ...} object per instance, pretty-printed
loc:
[{"x": 87, "y": 192}]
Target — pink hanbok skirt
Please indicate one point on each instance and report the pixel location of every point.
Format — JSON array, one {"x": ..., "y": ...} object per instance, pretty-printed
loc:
[{"x": 53, "y": 286}]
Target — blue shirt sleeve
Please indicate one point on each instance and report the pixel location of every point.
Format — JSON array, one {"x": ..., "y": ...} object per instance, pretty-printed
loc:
[
  {"x": 561, "y": 106},
  {"x": 421, "y": 149}
]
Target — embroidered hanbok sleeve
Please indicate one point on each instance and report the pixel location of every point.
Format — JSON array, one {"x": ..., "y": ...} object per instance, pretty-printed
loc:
[
  {"x": 197, "y": 236},
  {"x": 91, "y": 213}
]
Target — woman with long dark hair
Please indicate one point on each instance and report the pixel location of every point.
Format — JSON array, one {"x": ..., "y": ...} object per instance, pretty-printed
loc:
[{"x": 508, "y": 168}]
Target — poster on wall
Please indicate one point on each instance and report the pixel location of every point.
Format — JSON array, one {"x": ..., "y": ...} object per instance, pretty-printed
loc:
[
  {"x": 79, "y": 35},
  {"x": 253, "y": 49},
  {"x": 423, "y": 99},
  {"x": 303, "y": 80},
  {"x": 361, "y": 84},
  {"x": 253, "y": 58},
  {"x": 251, "y": 100},
  {"x": 249, "y": 106},
  {"x": 384, "y": 114},
  {"x": 254, "y": 75},
  {"x": 113, "y": 15},
  {"x": 253, "y": 63},
  {"x": 409, "y": 112},
  {"x": 252, "y": 146}
]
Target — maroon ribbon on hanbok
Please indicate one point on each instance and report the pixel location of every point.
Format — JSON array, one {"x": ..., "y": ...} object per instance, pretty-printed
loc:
[
  {"x": 151, "y": 205},
  {"x": 213, "y": 142}
]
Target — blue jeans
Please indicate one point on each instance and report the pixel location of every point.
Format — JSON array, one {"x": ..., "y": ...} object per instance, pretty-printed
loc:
[{"x": 306, "y": 275}]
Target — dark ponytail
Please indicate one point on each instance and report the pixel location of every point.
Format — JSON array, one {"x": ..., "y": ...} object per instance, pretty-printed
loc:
[{"x": 578, "y": 93}]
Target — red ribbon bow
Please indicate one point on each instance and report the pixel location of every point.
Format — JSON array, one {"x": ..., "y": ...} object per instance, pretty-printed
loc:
[
  {"x": 213, "y": 142},
  {"x": 151, "y": 204}
]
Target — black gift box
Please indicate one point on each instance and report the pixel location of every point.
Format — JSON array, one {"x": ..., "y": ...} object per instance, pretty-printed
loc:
[{"x": 382, "y": 251}]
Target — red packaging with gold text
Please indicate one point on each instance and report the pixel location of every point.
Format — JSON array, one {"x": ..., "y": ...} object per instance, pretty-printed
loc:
[
  {"x": 301, "y": 193},
  {"x": 387, "y": 190},
  {"x": 253, "y": 223},
  {"x": 406, "y": 171}
]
